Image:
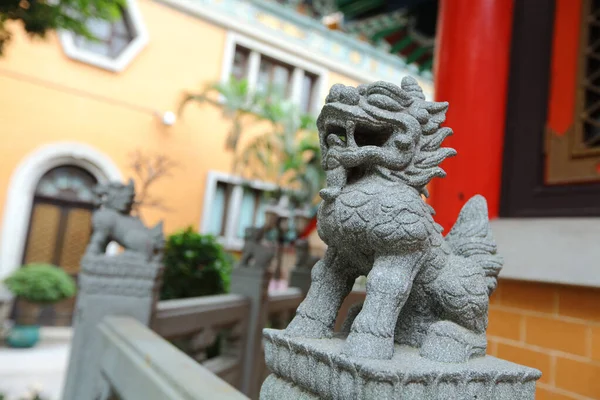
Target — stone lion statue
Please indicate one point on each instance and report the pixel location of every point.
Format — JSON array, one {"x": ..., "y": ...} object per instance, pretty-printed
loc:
[
  {"x": 255, "y": 254},
  {"x": 381, "y": 146},
  {"x": 112, "y": 221}
]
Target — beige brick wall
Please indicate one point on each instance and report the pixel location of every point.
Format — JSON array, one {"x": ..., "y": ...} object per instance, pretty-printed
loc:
[{"x": 554, "y": 328}]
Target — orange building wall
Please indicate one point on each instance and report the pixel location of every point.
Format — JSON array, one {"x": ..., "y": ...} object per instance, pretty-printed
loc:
[
  {"x": 46, "y": 97},
  {"x": 554, "y": 328}
]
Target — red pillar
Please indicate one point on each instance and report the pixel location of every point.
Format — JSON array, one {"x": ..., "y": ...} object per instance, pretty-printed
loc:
[{"x": 471, "y": 73}]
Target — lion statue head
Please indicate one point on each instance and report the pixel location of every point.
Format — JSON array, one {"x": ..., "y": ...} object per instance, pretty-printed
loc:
[
  {"x": 381, "y": 126},
  {"x": 116, "y": 196}
]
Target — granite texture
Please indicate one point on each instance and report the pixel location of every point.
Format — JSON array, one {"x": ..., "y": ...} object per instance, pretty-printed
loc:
[
  {"x": 427, "y": 295},
  {"x": 317, "y": 369},
  {"x": 126, "y": 284}
]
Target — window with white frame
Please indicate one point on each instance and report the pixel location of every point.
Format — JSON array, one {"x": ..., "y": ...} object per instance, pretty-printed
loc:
[
  {"x": 117, "y": 41},
  {"x": 112, "y": 37},
  {"x": 231, "y": 205},
  {"x": 267, "y": 68}
]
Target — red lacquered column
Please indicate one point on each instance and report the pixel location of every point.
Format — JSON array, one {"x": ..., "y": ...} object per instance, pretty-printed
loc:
[{"x": 471, "y": 73}]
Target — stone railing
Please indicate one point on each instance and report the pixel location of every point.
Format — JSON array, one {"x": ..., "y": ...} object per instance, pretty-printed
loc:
[
  {"x": 196, "y": 324},
  {"x": 137, "y": 361},
  {"x": 282, "y": 305},
  {"x": 137, "y": 364}
]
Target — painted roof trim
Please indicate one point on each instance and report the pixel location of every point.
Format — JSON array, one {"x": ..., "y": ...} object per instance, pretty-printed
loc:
[{"x": 304, "y": 37}]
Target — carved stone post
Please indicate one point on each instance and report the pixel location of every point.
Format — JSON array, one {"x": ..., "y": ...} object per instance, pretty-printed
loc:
[
  {"x": 123, "y": 285},
  {"x": 251, "y": 278},
  {"x": 300, "y": 276},
  {"x": 421, "y": 331}
]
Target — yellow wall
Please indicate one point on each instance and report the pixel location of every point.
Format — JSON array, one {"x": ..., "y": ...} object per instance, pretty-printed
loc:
[{"x": 46, "y": 97}]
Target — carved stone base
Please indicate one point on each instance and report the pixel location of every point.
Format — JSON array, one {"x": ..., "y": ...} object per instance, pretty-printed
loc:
[{"x": 316, "y": 369}]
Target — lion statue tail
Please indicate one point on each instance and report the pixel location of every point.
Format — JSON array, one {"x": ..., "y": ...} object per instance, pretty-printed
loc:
[{"x": 471, "y": 237}]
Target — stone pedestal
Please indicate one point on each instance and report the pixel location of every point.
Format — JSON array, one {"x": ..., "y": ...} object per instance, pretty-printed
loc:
[
  {"x": 123, "y": 285},
  {"x": 316, "y": 369}
]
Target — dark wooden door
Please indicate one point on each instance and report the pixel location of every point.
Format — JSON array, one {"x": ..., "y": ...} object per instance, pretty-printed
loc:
[{"x": 59, "y": 230}]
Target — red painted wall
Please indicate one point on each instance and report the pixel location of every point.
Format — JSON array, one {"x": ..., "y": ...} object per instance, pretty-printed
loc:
[{"x": 565, "y": 49}]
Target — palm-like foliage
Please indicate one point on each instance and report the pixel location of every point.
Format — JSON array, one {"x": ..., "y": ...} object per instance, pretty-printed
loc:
[
  {"x": 40, "y": 17},
  {"x": 288, "y": 153},
  {"x": 236, "y": 100}
]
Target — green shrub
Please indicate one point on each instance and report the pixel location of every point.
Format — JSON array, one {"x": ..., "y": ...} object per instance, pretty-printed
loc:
[
  {"x": 195, "y": 265},
  {"x": 41, "y": 283}
]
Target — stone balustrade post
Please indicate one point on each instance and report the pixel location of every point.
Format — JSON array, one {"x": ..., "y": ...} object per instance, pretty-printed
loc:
[
  {"x": 122, "y": 285},
  {"x": 305, "y": 261},
  {"x": 254, "y": 284},
  {"x": 250, "y": 278}
]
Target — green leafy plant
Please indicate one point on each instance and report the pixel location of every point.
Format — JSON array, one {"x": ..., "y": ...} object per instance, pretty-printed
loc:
[
  {"x": 236, "y": 101},
  {"x": 39, "y": 17},
  {"x": 288, "y": 153},
  {"x": 41, "y": 283},
  {"x": 291, "y": 156},
  {"x": 195, "y": 265}
]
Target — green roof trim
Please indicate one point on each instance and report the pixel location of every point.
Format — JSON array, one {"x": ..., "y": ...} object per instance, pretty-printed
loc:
[
  {"x": 386, "y": 32},
  {"x": 401, "y": 44},
  {"x": 361, "y": 6},
  {"x": 427, "y": 65},
  {"x": 371, "y": 26}
]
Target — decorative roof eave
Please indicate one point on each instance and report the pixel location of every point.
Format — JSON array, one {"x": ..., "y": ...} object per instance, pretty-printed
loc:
[
  {"x": 370, "y": 26},
  {"x": 377, "y": 28},
  {"x": 302, "y": 35}
]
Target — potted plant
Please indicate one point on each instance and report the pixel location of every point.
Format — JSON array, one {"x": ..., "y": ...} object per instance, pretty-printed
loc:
[
  {"x": 195, "y": 265},
  {"x": 35, "y": 285}
]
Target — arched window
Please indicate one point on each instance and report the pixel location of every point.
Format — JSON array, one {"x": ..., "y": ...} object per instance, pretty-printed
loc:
[{"x": 60, "y": 226}]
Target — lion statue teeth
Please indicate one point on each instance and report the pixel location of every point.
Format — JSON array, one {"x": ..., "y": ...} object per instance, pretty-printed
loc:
[{"x": 381, "y": 146}]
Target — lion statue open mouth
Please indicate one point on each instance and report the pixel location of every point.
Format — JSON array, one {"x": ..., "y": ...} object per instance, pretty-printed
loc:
[{"x": 381, "y": 146}]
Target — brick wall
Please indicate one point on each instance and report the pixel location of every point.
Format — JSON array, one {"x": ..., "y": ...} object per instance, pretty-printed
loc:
[{"x": 553, "y": 328}]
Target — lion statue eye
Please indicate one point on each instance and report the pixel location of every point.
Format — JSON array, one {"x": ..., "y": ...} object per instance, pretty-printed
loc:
[{"x": 384, "y": 102}]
